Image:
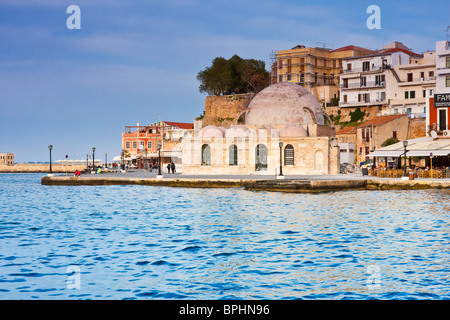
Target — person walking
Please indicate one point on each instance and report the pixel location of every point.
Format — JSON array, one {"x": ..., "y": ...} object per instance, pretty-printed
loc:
[
  {"x": 172, "y": 166},
  {"x": 168, "y": 168}
]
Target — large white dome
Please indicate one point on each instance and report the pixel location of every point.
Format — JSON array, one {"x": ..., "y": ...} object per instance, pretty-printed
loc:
[{"x": 284, "y": 103}]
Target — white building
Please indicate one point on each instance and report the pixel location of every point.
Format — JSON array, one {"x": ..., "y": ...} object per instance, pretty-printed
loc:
[
  {"x": 415, "y": 83},
  {"x": 442, "y": 67},
  {"x": 347, "y": 151},
  {"x": 371, "y": 80},
  {"x": 438, "y": 111}
]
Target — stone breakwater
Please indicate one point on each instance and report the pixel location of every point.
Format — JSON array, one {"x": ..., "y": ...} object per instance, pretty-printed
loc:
[
  {"x": 40, "y": 168},
  {"x": 292, "y": 186}
]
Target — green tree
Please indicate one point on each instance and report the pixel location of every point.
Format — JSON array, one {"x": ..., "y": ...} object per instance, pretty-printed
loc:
[
  {"x": 389, "y": 141},
  {"x": 233, "y": 76},
  {"x": 334, "y": 102},
  {"x": 357, "y": 115}
]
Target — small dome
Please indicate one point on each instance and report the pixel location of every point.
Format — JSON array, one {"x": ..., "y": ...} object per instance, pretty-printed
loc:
[
  {"x": 293, "y": 130},
  {"x": 237, "y": 131},
  {"x": 284, "y": 103},
  {"x": 210, "y": 132},
  {"x": 223, "y": 129}
]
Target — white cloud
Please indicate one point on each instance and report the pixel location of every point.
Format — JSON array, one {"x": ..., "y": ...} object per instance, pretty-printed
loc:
[{"x": 62, "y": 3}]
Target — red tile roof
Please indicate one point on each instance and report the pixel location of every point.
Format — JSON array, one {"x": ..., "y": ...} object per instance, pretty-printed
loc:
[
  {"x": 377, "y": 121},
  {"x": 347, "y": 130},
  {"x": 180, "y": 125},
  {"x": 348, "y": 48},
  {"x": 402, "y": 50}
]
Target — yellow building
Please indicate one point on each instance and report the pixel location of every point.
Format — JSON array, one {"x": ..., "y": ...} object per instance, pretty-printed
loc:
[
  {"x": 7, "y": 158},
  {"x": 316, "y": 69}
]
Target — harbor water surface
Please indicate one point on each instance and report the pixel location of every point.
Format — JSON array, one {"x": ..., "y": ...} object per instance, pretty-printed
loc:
[{"x": 144, "y": 242}]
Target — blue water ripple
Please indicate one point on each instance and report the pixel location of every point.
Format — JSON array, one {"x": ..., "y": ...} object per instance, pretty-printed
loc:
[{"x": 140, "y": 242}]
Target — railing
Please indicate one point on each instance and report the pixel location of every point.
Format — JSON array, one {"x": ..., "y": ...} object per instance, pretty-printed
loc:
[
  {"x": 418, "y": 173},
  {"x": 371, "y": 68},
  {"x": 360, "y": 103},
  {"x": 370, "y": 84}
]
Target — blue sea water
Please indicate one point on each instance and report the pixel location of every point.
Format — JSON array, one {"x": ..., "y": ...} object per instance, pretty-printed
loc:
[{"x": 143, "y": 242}]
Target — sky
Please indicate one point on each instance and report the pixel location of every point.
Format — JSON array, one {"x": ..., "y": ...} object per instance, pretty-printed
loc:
[{"x": 137, "y": 61}]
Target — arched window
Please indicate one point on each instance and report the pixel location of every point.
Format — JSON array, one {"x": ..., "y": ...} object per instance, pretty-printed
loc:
[
  {"x": 260, "y": 157},
  {"x": 289, "y": 155},
  {"x": 206, "y": 155},
  {"x": 233, "y": 155}
]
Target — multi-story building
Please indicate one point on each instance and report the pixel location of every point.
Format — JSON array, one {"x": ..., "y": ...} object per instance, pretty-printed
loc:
[
  {"x": 315, "y": 68},
  {"x": 438, "y": 111},
  {"x": 373, "y": 133},
  {"x": 367, "y": 81},
  {"x": 7, "y": 158},
  {"x": 140, "y": 143},
  {"x": 414, "y": 84}
]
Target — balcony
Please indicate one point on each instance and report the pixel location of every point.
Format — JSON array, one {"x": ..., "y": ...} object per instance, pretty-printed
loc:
[
  {"x": 373, "y": 102},
  {"x": 367, "y": 85},
  {"x": 369, "y": 69},
  {"x": 421, "y": 81}
]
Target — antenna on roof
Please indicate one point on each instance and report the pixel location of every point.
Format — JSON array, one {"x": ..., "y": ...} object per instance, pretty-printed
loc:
[{"x": 446, "y": 45}]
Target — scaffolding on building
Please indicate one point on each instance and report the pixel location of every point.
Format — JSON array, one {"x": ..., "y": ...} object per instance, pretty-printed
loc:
[{"x": 308, "y": 66}]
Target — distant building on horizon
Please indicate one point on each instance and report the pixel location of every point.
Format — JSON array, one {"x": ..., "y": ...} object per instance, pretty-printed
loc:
[{"x": 7, "y": 158}]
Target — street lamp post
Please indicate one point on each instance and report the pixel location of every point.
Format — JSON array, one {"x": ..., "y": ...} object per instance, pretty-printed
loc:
[
  {"x": 281, "y": 158},
  {"x": 405, "y": 144},
  {"x": 159, "y": 159},
  {"x": 145, "y": 159},
  {"x": 123, "y": 159},
  {"x": 431, "y": 166},
  {"x": 93, "y": 159},
  {"x": 50, "y": 147},
  {"x": 106, "y": 160}
]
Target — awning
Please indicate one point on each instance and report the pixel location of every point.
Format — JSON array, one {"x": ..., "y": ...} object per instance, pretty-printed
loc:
[
  {"x": 423, "y": 153},
  {"x": 412, "y": 153},
  {"x": 420, "y": 147},
  {"x": 385, "y": 153}
]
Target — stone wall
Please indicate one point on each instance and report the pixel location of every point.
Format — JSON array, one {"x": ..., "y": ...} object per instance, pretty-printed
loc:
[
  {"x": 344, "y": 113},
  {"x": 334, "y": 160},
  {"x": 225, "y": 110},
  {"x": 311, "y": 156},
  {"x": 40, "y": 168},
  {"x": 417, "y": 128}
]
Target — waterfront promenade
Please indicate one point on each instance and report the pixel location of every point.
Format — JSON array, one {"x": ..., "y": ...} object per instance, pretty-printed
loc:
[{"x": 303, "y": 183}]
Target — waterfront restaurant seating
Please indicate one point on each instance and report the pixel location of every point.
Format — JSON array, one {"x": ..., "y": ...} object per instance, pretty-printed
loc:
[{"x": 421, "y": 173}]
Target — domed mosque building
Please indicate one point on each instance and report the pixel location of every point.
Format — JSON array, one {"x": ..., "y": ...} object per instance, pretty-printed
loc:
[{"x": 282, "y": 122}]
